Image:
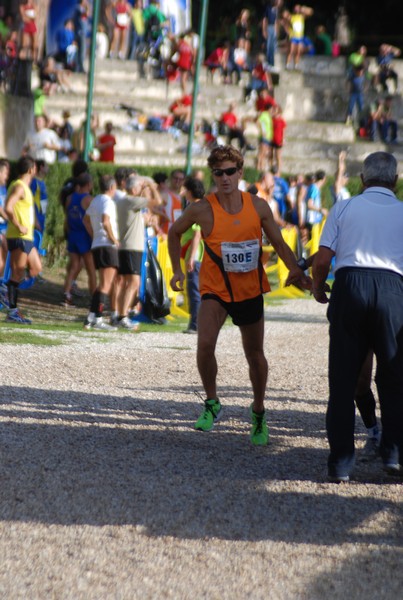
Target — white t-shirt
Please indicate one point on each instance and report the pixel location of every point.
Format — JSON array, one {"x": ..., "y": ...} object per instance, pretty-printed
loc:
[
  {"x": 102, "y": 205},
  {"x": 102, "y": 45},
  {"x": 36, "y": 145},
  {"x": 366, "y": 231},
  {"x": 119, "y": 194},
  {"x": 344, "y": 194}
]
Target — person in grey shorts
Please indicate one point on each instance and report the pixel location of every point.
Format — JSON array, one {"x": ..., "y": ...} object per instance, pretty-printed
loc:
[{"x": 131, "y": 229}]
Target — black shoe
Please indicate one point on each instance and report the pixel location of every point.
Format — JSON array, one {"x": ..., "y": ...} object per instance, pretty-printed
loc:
[{"x": 393, "y": 469}]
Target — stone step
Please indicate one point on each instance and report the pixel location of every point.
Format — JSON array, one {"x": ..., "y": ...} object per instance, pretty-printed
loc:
[
  {"x": 291, "y": 164},
  {"x": 149, "y": 140},
  {"x": 314, "y": 102},
  {"x": 299, "y": 104}
]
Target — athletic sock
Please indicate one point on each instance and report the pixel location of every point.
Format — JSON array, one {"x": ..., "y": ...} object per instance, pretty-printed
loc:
[{"x": 12, "y": 287}]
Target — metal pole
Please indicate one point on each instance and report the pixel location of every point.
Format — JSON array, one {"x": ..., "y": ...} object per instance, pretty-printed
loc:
[
  {"x": 91, "y": 74},
  {"x": 202, "y": 38}
]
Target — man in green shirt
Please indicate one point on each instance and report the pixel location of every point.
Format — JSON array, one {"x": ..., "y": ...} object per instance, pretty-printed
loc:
[{"x": 154, "y": 20}]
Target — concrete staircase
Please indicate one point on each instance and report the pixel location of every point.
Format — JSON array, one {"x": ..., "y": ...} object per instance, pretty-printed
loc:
[{"x": 314, "y": 102}]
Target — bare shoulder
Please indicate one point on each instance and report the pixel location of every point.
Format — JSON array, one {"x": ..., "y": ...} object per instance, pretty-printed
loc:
[
  {"x": 261, "y": 206},
  {"x": 86, "y": 201},
  {"x": 202, "y": 206},
  {"x": 16, "y": 192},
  {"x": 196, "y": 210}
]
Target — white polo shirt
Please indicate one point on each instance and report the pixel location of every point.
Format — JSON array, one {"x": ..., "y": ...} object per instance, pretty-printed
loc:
[{"x": 366, "y": 231}]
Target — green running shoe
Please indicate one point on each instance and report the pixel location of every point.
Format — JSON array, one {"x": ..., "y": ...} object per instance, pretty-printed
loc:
[
  {"x": 209, "y": 416},
  {"x": 259, "y": 433}
]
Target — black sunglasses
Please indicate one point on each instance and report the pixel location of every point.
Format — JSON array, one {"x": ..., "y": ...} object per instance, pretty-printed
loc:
[{"x": 229, "y": 171}]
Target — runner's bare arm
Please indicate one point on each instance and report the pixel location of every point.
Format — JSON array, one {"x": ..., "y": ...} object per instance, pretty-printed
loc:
[
  {"x": 273, "y": 233},
  {"x": 185, "y": 221}
]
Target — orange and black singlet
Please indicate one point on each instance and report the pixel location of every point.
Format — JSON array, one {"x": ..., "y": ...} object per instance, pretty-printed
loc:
[{"x": 232, "y": 265}]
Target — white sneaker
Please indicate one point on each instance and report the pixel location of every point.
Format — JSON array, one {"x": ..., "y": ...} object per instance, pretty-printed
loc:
[
  {"x": 127, "y": 323},
  {"x": 101, "y": 325},
  {"x": 89, "y": 323}
]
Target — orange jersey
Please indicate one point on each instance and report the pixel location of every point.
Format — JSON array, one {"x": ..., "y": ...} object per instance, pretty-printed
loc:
[
  {"x": 173, "y": 211},
  {"x": 232, "y": 265}
]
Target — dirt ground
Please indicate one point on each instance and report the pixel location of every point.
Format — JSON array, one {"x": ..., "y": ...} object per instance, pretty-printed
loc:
[{"x": 107, "y": 491}]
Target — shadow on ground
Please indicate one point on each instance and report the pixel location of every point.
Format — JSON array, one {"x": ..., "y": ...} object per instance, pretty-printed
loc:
[{"x": 72, "y": 458}]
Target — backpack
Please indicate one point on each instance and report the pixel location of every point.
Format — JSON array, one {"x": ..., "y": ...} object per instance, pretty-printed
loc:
[{"x": 156, "y": 303}]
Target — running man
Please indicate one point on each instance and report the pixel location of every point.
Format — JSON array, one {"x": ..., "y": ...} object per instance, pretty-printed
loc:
[{"x": 232, "y": 279}]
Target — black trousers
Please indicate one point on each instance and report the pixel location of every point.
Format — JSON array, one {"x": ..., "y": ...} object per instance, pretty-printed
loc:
[{"x": 365, "y": 311}]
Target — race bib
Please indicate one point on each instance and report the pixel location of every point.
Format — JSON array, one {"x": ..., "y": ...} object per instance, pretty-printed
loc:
[
  {"x": 298, "y": 27},
  {"x": 240, "y": 257}
]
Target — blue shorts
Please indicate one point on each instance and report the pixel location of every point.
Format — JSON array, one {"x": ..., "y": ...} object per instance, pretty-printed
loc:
[
  {"x": 78, "y": 244},
  {"x": 264, "y": 141},
  {"x": 20, "y": 244},
  {"x": 296, "y": 40}
]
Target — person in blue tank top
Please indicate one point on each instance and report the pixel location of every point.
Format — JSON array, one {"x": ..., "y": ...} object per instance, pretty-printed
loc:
[
  {"x": 4, "y": 175},
  {"x": 78, "y": 239}
]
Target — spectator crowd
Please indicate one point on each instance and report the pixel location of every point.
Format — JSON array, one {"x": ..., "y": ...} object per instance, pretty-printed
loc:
[{"x": 144, "y": 34}]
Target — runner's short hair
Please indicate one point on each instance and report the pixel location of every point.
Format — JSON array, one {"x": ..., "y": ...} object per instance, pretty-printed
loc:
[{"x": 221, "y": 154}]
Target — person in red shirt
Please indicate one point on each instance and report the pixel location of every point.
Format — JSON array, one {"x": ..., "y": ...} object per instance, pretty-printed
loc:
[
  {"x": 277, "y": 142},
  {"x": 185, "y": 61},
  {"x": 260, "y": 77},
  {"x": 106, "y": 144},
  {"x": 119, "y": 16},
  {"x": 229, "y": 126},
  {"x": 215, "y": 61},
  {"x": 29, "y": 39},
  {"x": 264, "y": 101},
  {"x": 182, "y": 110}
]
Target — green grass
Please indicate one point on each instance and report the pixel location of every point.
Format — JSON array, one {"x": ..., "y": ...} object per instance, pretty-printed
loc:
[
  {"x": 19, "y": 336},
  {"x": 53, "y": 325},
  {"x": 42, "y": 335}
]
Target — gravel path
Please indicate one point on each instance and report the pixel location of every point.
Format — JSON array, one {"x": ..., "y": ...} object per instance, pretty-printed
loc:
[{"x": 106, "y": 491}]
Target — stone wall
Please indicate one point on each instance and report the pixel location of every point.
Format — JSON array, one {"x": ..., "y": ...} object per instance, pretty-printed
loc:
[{"x": 16, "y": 119}]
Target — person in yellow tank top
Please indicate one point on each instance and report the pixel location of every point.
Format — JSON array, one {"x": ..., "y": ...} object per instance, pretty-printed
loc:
[
  {"x": 20, "y": 235},
  {"x": 232, "y": 279},
  {"x": 295, "y": 23}
]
